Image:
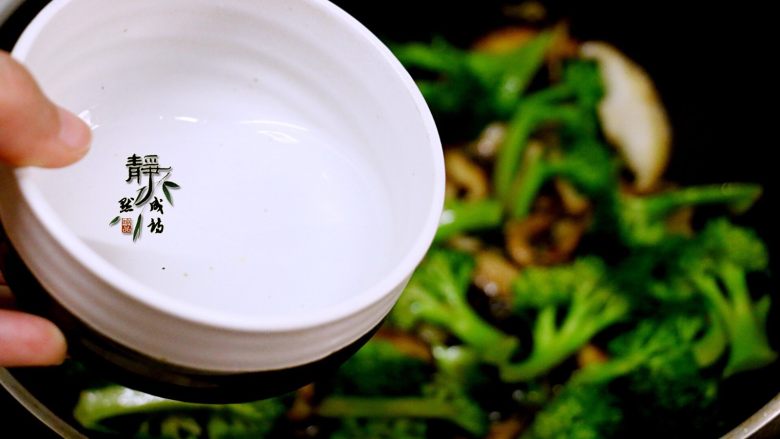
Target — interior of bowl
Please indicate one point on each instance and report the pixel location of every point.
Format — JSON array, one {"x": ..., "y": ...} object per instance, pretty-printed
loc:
[{"x": 257, "y": 160}]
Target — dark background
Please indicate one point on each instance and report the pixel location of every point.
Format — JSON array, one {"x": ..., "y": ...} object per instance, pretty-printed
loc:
[{"x": 711, "y": 64}]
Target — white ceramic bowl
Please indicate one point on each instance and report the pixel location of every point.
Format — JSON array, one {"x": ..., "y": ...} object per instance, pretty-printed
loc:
[{"x": 308, "y": 178}]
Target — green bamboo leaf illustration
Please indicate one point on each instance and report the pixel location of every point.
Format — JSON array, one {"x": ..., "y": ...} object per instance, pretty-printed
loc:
[
  {"x": 166, "y": 190},
  {"x": 137, "y": 231},
  {"x": 142, "y": 199},
  {"x": 114, "y": 221},
  {"x": 167, "y": 194}
]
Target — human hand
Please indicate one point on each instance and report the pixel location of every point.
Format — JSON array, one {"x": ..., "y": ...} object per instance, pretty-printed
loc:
[{"x": 33, "y": 132}]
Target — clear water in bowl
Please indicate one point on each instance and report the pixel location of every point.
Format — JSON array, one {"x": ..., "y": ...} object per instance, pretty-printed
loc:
[{"x": 271, "y": 215}]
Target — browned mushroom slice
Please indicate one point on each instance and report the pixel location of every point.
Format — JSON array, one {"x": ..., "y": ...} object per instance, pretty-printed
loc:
[
  {"x": 520, "y": 235},
  {"x": 505, "y": 429},
  {"x": 563, "y": 48},
  {"x": 565, "y": 236},
  {"x": 301, "y": 407},
  {"x": 406, "y": 343},
  {"x": 465, "y": 175},
  {"x": 465, "y": 243},
  {"x": 680, "y": 222},
  {"x": 590, "y": 354},
  {"x": 505, "y": 39},
  {"x": 543, "y": 239},
  {"x": 493, "y": 273},
  {"x": 450, "y": 190},
  {"x": 573, "y": 202}
]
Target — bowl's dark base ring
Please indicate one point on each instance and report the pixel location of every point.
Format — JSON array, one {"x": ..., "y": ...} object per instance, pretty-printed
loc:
[{"x": 133, "y": 369}]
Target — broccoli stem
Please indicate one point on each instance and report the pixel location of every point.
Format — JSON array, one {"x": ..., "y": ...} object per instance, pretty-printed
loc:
[
  {"x": 460, "y": 217},
  {"x": 749, "y": 345},
  {"x": 399, "y": 407},
  {"x": 711, "y": 346},
  {"x": 529, "y": 180},
  {"x": 549, "y": 350},
  {"x": 492, "y": 345},
  {"x": 437, "y": 294},
  {"x": 587, "y": 316},
  {"x": 521, "y": 67},
  {"x": 522, "y": 125},
  {"x": 439, "y": 57},
  {"x": 750, "y": 348},
  {"x": 610, "y": 370},
  {"x": 642, "y": 219},
  {"x": 520, "y": 190},
  {"x": 368, "y": 407},
  {"x": 96, "y": 405},
  {"x": 739, "y": 196},
  {"x": 554, "y": 94}
]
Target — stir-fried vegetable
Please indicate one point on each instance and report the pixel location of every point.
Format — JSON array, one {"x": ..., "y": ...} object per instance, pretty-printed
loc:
[
  {"x": 564, "y": 297},
  {"x": 581, "y": 294}
]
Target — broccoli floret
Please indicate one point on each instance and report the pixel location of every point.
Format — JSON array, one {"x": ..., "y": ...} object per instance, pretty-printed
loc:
[
  {"x": 652, "y": 372},
  {"x": 583, "y": 80},
  {"x": 577, "y": 412},
  {"x": 255, "y": 419},
  {"x": 716, "y": 263},
  {"x": 445, "y": 398},
  {"x": 487, "y": 82},
  {"x": 586, "y": 164},
  {"x": 670, "y": 386},
  {"x": 176, "y": 427},
  {"x": 457, "y": 375},
  {"x": 381, "y": 428},
  {"x": 642, "y": 219},
  {"x": 379, "y": 368},
  {"x": 655, "y": 371},
  {"x": 436, "y": 294},
  {"x": 666, "y": 362},
  {"x": 519, "y": 174},
  {"x": 648, "y": 276},
  {"x": 580, "y": 293},
  {"x": 249, "y": 420},
  {"x": 651, "y": 338}
]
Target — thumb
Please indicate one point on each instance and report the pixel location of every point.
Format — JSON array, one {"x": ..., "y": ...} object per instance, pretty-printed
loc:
[
  {"x": 33, "y": 130},
  {"x": 28, "y": 340}
]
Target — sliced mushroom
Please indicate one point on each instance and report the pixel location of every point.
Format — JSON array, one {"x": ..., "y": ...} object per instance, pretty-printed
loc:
[
  {"x": 465, "y": 243},
  {"x": 563, "y": 47},
  {"x": 450, "y": 190},
  {"x": 632, "y": 115},
  {"x": 406, "y": 343},
  {"x": 519, "y": 235},
  {"x": 493, "y": 273},
  {"x": 466, "y": 175},
  {"x": 302, "y": 405},
  {"x": 543, "y": 239},
  {"x": 506, "y": 429},
  {"x": 591, "y": 354},
  {"x": 573, "y": 202},
  {"x": 505, "y": 39},
  {"x": 680, "y": 222}
]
